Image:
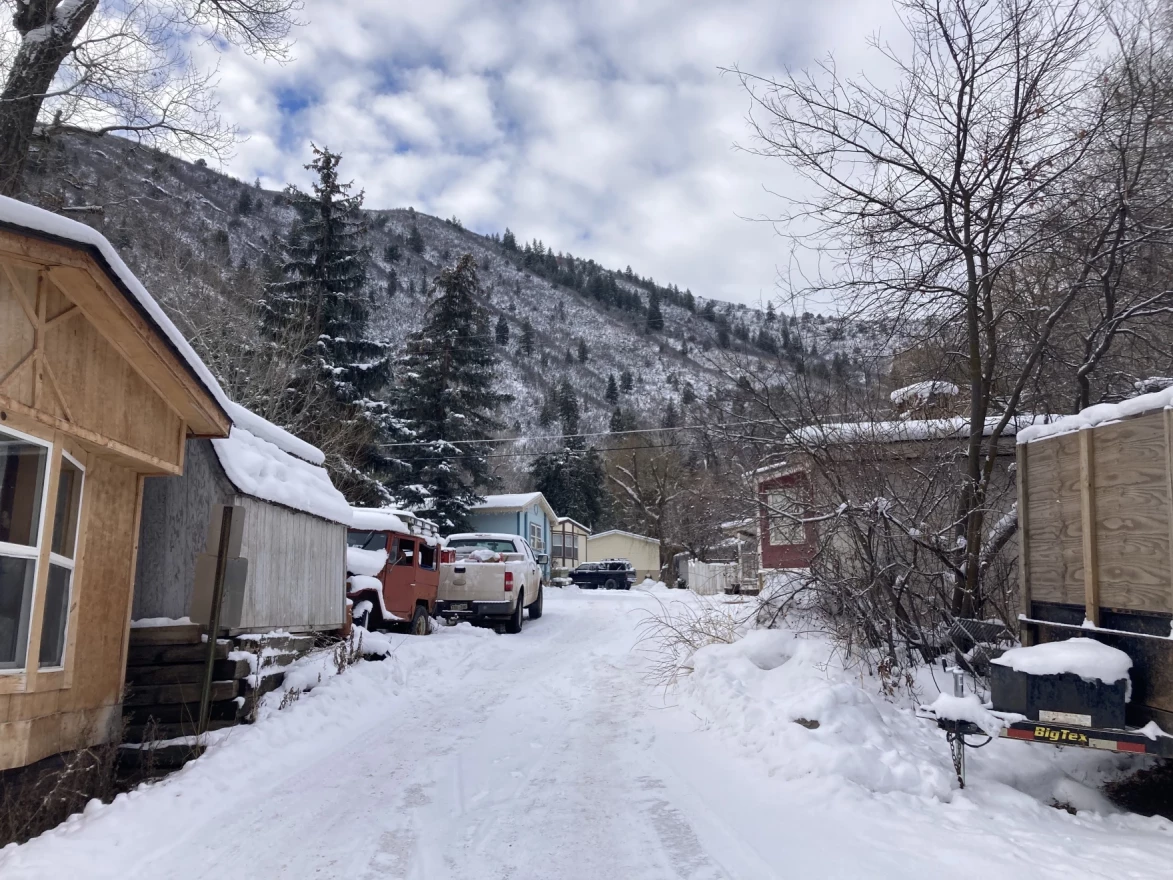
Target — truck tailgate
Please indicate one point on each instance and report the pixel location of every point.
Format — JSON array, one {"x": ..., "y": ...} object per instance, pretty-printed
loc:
[{"x": 460, "y": 581}]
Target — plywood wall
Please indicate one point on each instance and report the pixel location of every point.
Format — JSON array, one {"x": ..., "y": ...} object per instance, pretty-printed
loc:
[{"x": 1098, "y": 516}]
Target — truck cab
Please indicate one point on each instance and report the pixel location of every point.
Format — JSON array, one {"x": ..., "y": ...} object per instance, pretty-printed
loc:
[{"x": 393, "y": 570}]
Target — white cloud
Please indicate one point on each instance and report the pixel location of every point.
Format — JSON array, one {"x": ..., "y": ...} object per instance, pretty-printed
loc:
[{"x": 602, "y": 127}]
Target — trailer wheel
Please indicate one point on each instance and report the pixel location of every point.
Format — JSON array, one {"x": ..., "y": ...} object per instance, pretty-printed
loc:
[
  {"x": 535, "y": 609},
  {"x": 518, "y": 618},
  {"x": 421, "y": 623}
]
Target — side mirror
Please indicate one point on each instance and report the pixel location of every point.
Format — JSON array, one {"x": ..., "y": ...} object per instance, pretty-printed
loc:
[{"x": 543, "y": 559}]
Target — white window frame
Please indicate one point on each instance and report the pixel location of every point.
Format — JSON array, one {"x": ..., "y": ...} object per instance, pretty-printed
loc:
[
  {"x": 70, "y": 565},
  {"x": 784, "y": 531},
  {"x": 536, "y": 539},
  {"x": 21, "y": 551}
]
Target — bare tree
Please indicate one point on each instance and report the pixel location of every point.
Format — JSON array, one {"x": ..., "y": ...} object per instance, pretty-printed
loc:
[
  {"x": 108, "y": 66},
  {"x": 931, "y": 194}
]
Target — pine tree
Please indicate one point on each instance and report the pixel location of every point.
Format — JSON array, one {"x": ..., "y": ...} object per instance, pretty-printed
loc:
[
  {"x": 671, "y": 417},
  {"x": 415, "y": 240},
  {"x": 626, "y": 382},
  {"x": 709, "y": 312},
  {"x": 770, "y": 314},
  {"x": 655, "y": 316},
  {"x": 583, "y": 353},
  {"x": 688, "y": 395},
  {"x": 527, "y": 338},
  {"x": 509, "y": 240},
  {"x": 612, "y": 395},
  {"x": 502, "y": 331},
  {"x": 572, "y": 479},
  {"x": 244, "y": 204},
  {"x": 621, "y": 420},
  {"x": 448, "y": 401},
  {"x": 568, "y": 407},
  {"x": 321, "y": 305}
]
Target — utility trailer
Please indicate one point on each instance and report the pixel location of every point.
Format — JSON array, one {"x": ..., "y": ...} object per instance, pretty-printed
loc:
[{"x": 1095, "y": 527}]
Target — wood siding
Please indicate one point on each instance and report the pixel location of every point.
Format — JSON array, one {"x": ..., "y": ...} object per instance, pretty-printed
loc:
[
  {"x": 296, "y": 569},
  {"x": 174, "y": 531},
  {"x": 1120, "y": 522}
]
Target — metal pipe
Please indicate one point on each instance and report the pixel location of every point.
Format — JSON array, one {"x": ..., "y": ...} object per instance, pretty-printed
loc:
[{"x": 214, "y": 622}]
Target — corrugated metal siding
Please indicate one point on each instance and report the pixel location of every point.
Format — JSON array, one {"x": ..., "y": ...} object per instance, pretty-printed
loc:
[
  {"x": 296, "y": 569},
  {"x": 174, "y": 530}
]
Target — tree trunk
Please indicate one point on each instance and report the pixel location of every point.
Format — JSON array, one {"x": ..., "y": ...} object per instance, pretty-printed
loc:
[{"x": 47, "y": 32}]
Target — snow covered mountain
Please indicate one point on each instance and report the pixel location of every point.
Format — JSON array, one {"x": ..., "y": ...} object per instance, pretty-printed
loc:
[{"x": 192, "y": 234}]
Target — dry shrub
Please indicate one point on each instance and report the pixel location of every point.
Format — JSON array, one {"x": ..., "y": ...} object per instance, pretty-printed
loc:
[
  {"x": 673, "y": 633},
  {"x": 1148, "y": 791}
]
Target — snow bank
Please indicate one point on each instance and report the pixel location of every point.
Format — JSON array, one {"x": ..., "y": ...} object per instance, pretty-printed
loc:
[
  {"x": 279, "y": 437},
  {"x": 264, "y": 470},
  {"x": 1100, "y": 414},
  {"x": 922, "y": 391},
  {"x": 147, "y": 622},
  {"x": 480, "y": 554},
  {"x": 365, "y": 562},
  {"x": 1087, "y": 658},
  {"x": 649, "y": 584}
]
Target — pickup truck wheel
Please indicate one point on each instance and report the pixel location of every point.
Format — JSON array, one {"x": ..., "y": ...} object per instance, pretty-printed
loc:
[
  {"x": 421, "y": 623},
  {"x": 535, "y": 609},
  {"x": 518, "y": 618},
  {"x": 611, "y": 584}
]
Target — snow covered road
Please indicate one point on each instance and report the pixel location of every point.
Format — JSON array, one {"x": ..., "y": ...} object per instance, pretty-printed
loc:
[{"x": 469, "y": 755}]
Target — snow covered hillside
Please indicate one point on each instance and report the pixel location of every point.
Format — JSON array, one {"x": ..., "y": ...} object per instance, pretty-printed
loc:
[{"x": 189, "y": 232}]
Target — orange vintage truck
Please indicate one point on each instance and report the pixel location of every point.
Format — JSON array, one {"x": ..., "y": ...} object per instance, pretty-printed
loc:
[{"x": 393, "y": 570}]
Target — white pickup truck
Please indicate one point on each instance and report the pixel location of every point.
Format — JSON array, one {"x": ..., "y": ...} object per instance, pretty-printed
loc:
[{"x": 493, "y": 580}]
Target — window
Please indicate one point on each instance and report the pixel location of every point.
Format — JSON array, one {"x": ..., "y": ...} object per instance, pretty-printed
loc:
[
  {"x": 535, "y": 537},
  {"x": 62, "y": 550},
  {"x": 406, "y": 553},
  {"x": 23, "y": 466},
  {"x": 556, "y": 545},
  {"x": 573, "y": 548},
  {"x": 427, "y": 556},
  {"x": 366, "y": 540},
  {"x": 491, "y": 544},
  {"x": 784, "y": 507}
]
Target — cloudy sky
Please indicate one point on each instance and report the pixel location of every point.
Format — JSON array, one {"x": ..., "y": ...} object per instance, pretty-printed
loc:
[{"x": 602, "y": 127}]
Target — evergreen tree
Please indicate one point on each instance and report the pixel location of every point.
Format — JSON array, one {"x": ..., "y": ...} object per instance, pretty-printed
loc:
[
  {"x": 448, "y": 400},
  {"x": 626, "y": 382},
  {"x": 655, "y": 316},
  {"x": 583, "y": 354},
  {"x": 612, "y": 395},
  {"x": 688, "y": 395},
  {"x": 671, "y": 417},
  {"x": 244, "y": 205},
  {"x": 527, "y": 338},
  {"x": 621, "y": 420},
  {"x": 572, "y": 479},
  {"x": 502, "y": 331},
  {"x": 568, "y": 407},
  {"x": 509, "y": 240},
  {"x": 770, "y": 314},
  {"x": 321, "y": 304},
  {"x": 415, "y": 240},
  {"x": 709, "y": 312},
  {"x": 690, "y": 301}
]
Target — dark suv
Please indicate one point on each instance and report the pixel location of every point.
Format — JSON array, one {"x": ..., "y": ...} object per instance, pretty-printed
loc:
[{"x": 610, "y": 574}]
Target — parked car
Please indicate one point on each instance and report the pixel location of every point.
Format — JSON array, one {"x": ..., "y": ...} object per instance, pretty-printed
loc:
[
  {"x": 393, "y": 572},
  {"x": 492, "y": 579},
  {"x": 610, "y": 574}
]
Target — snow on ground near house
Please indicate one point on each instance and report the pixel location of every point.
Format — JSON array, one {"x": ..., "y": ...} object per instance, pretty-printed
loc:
[
  {"x": 1087, "y": 658},
  {"x": 470, "y": 755}
]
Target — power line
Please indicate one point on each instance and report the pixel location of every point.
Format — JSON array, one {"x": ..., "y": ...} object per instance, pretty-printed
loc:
[
  {"x": 538, "y": 454},
  {"x": 577, "y": 436}
]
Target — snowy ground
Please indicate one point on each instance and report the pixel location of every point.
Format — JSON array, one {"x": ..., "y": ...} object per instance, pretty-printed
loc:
[{"x": 548, "y": 755}]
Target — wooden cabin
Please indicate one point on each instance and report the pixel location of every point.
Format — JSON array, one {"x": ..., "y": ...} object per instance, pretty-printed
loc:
[
  {"x": 1095, "y": 515},
  {"x": 293, "y": 539},
  {"x": 98, "y": 391}
]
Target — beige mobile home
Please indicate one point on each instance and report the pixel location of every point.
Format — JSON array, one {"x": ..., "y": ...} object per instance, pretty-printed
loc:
[{"x": 643, "y": 552}]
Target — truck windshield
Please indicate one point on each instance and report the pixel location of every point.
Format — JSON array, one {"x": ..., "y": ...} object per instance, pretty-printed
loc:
[
  {"x": 463, "y": 545},
  {"x": 366, "y": 540}
]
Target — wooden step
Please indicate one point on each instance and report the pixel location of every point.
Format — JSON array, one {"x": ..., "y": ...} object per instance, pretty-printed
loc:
[
  {"x": 173, "y": 713},
  {"x": 148, "y": 695},
  {"x": 155, "y": 655},
  {"x": 222, "y": 670},
  {"x": 181, "y": 634}
]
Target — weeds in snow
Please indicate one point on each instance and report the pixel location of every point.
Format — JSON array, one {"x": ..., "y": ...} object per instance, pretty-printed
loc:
[{"x": 672, "y": 634}]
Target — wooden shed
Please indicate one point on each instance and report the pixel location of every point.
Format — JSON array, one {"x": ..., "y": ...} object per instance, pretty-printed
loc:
[
  {"x": 1095, "y": 511},
  {"x": 98, "y": 390},
  {"x": 294, "y": 534}
]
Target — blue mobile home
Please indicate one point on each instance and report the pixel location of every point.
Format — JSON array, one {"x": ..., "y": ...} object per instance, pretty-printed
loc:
[{"x": 528, "y": 514}]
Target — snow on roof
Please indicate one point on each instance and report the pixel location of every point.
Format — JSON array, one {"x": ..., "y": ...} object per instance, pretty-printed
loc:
[
  {"x": 922, "y": 391},
  {"x": 266, "y": 430},
  {"x": 1100, "y": 414},
  {"x": 388, "y": 519},
  {"x": 258, "y": 467},
  {"x": 517, "y": 501},
  {"x": 31, "y": 218},
  {"x": 625, "y": 534},
  {"x": 911, "y": 429},
  {"x": 567, "y": 519},
  {"x": 1087, "y": 658}
]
